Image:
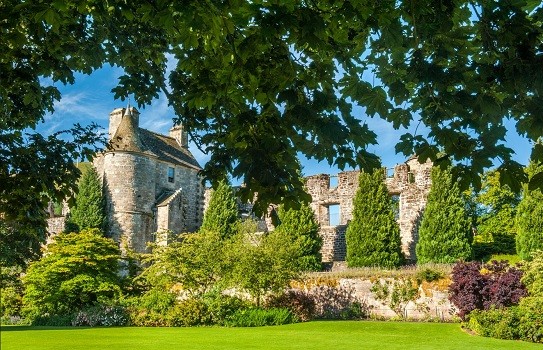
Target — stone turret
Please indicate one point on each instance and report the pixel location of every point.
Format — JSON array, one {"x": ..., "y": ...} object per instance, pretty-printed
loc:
[
  {"x": 126, "y": 137},
  {"x": 116, "y": 116}
]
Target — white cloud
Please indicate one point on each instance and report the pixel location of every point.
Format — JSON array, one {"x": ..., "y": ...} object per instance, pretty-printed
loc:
[{"x": 158, "y": 116}]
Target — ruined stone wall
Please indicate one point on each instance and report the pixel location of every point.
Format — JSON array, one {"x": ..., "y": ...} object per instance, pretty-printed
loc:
[
  {"x": 410, "y": 181},
  {"x": 334, "y": 247},
  {"x": 323, "y": 195},
  {"x": 55, "y": 225}
]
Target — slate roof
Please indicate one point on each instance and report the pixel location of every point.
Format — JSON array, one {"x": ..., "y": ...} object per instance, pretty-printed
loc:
[
  {"x": 166, "y": 148},
  {"x": 167, "y": 197},
  {"x": 130, "y": 138}
]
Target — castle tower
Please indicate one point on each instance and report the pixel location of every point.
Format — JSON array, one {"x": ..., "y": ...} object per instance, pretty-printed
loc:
[
  {"x": 117, "y": 115},
  {"x": 128, "y": 173}
]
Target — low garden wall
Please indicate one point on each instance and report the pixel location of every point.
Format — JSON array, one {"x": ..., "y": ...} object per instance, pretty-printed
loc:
[{"x": 391, "y": 298}]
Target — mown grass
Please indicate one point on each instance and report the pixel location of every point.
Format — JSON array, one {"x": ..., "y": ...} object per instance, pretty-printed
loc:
[{"x": 342, "y": 335}]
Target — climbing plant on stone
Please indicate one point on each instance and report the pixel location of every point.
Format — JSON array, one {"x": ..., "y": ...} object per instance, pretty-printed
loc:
[
  {"x": 373, "y": 235},
  {"x": 445, "y": 229}
]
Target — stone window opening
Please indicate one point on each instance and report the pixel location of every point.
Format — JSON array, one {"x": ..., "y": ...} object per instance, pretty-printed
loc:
[
  {"x": 333, "y": 182},
  {"x": 410, "y": 177},
  {"x": 171, "y": 174},
  {"x": 334, "y": 215},
  {"x": 395, "y": 198},
  {"x": 389, "y": 173}
]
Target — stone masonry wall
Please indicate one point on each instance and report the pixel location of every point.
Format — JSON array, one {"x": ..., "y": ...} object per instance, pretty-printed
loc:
[
  {"x": 55, "y": 225},
  {"x": 130, "y": 195},
  {"x": 334, "y": 247},
  {"x": 411, "y": 181}
]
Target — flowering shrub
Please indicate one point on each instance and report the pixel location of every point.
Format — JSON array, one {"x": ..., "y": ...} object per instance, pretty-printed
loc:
[{"x": 101, "y": 315}]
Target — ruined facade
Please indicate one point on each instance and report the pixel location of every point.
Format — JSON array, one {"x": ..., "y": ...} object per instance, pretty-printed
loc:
[{"x": 332, "y": 202}]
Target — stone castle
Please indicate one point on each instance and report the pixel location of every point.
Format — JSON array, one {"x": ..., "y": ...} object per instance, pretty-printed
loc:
[{"x": 152, "y": 184}]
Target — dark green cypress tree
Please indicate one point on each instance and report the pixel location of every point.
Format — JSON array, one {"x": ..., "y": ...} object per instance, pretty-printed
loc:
[
  {"x": 300, "y": 227},
  {"x": 529, "y": 219},
  {"x": 373, "y": 235},
  {"x": 221, "y": 215},
  {"x": 445, "y": 230},
  {"x": 89, "y": 209}
]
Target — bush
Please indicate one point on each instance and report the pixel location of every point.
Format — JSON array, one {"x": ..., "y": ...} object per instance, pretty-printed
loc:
[
  {"x": 299, "y": 303},
  {"x": 337, "y": 303},
  {"x": 496, "y": 323},
  {"x": 258, "y": 317},
  {"x": 531, "y": 319},
  {"x": 503, "y": 285},
  {"x": 220, "y": 307},
  {"x": 523, "y": 322},
  {"x": 429, "y": 275},
  {"x": 64, "y": 320},
  {"x": 102, "y": 315},
  {"x": 187, "y": 313},
  {"x": 151, "y": 308},
  {"x": 480, "y": 287}
]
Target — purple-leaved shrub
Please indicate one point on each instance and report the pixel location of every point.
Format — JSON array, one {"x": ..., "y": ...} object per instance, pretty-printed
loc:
[{"x": 477, "y": 286}]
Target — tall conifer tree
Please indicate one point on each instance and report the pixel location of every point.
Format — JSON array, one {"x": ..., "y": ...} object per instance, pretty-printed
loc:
[
  {"x": 445, "y": 229},
  {"x": 89, "y": 209},
  {"x": 529, "y": 219},
  {"x": 221, "y": 215},
  {"x": 300, "y": 227},
  {"x": 373, "y": 235}
]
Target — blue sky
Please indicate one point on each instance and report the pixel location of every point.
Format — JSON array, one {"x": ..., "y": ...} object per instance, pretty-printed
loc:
[{"x": 90, "y": 100}]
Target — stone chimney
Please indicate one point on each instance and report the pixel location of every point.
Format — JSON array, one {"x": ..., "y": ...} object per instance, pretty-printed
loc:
[
  {"x": 116, "y": 116},
  {"x": 181, "y": 136}
]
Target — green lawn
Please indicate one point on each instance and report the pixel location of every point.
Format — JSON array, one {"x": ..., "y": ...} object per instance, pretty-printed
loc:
[{"x": 312, "y": 335}]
